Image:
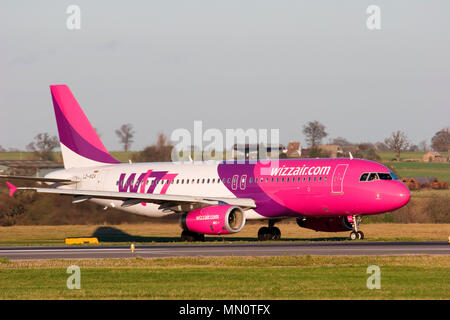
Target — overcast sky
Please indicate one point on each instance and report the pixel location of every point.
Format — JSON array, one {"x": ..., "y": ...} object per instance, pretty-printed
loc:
[{"x": 160, "y": 65}]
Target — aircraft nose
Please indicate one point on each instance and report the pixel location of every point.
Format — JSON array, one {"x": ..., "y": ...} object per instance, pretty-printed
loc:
[
  {"x": 399, "y": 194},
  {"x": 404, "y": 194}
]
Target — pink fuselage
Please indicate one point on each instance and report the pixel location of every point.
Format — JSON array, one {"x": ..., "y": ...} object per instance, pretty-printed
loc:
[{"x": 317, "y": 187}]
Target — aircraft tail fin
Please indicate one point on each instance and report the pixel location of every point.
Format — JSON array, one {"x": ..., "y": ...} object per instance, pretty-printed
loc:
[{"x": 80, "y": 144}]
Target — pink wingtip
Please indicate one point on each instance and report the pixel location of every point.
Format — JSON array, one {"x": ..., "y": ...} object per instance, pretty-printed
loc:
[{"x": 12, "y": 188}]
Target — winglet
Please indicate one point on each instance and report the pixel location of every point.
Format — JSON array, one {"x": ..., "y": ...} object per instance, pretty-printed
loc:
[{"x": 12, "y": 188}]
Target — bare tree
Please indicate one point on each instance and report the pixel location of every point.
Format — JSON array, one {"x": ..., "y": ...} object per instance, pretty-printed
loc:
[
  {"x": 366, "y": 150},
  {"x": 341, "y": 142},
  {"x": 441, "y": 140},
  {"x": 43, "y": 146},
  {"x": 158, "y": 152},
  {"x": 126, "y": 134},
  {"x": 397, "y": 142},
  {"x": 423, "y": 145},
  {"x": 314, "y": 132}
]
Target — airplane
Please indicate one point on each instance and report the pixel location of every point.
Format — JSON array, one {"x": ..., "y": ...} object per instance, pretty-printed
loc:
[{"x": 218, "y": 198}]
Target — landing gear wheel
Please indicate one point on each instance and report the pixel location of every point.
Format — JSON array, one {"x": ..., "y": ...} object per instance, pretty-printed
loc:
[
  {"x": 356, "y": 234},
  {"x": 353, "y": 235},
  {"x": 269, "y": 233},
  {"x": 190, "y": 236},
  {"x": 200, "y": 237},
  {"x": 263, "y": 234},
  {"x": 276, "y": 233}
]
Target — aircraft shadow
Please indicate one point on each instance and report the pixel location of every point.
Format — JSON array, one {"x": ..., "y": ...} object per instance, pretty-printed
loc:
[{"x": 112, "y": 234}]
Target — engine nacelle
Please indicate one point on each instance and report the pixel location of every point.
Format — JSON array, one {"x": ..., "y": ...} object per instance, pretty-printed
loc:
[
  {"x": 328, "y": 224},
  {"x": 220, "y": 219}
]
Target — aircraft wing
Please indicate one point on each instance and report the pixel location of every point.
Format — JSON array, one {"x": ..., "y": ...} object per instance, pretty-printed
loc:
[
  {"x": 37, "y": 179},
  {"x": 166, "y": 201}
]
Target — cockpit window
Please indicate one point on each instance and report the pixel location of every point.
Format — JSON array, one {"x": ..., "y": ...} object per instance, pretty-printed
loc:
[
  {"x": 364, "y": 177},
  {"x": 372, "y": 176},
  {"x": 385, "y": 176}
]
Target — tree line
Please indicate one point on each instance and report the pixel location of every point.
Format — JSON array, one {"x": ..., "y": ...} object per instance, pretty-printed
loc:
[
  {"x": 44, "y": 145},
  {"x": 397, "y": 142}
]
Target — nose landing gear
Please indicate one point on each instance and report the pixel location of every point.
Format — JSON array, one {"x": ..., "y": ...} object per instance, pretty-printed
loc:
[
  {"x": 269, "y": 233},
  {"x": 356, "y": 234}
]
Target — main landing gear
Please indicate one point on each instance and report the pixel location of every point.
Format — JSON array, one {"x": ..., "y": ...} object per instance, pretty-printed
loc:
[
  {"x": 356, "y": 234},
  {"x": 190, "y": 236},
  {"x": 269, "y": 233}
]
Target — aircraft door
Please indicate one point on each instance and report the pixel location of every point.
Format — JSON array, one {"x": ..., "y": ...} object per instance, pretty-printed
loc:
[
  {"x": 337, "y": 183},
  {"x": 234, "y": 182}
]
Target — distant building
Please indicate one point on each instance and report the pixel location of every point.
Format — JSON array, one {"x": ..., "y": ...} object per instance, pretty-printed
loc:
[
  {"x": 433, "y": 156},
  {"x": 294, "y": 150},
  {"x": 350, "y": 148},
  {"x": 333, "y": 150}
]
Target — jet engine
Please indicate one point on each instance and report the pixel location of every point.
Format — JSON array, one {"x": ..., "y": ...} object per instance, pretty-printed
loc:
[
  {"x": 219, "y": 219},
  {"x": 329, "y": 224}
]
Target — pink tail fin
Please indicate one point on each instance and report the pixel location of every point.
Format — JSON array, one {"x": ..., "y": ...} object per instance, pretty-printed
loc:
[{"x": 80, "y": 144}]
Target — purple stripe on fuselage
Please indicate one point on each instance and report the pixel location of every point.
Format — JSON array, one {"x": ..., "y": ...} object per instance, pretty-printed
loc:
[
  {"x": 265, "y": 205},
  {"x": 75, "y": 142}
]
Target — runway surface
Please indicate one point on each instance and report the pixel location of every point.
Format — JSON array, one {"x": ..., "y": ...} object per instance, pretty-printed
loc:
[{"x": 254, "y": 249}]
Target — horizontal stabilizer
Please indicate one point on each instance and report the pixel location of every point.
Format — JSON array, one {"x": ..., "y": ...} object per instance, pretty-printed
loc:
[
  {"x": 37, "y": 179},
  {"x": 12, "y": 188}
]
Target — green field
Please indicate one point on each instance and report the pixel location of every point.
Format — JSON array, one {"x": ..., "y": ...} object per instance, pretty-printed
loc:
[
  {"x": 119, "y": 155},
  {"x": 297, "y": 277},
  {"x": 391, "y": 156},
  {"x": 441, "y": 171},
  {"x": 22, "y": 155}
]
